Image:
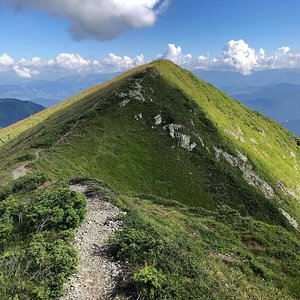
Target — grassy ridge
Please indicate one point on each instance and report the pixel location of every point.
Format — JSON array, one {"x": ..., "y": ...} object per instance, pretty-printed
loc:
[
  {"x": 220, "y": 239},
  {"x": 273, "y": 150},
  {"x": 96, "y": 137},
  {"x": 9, "y": 133}
]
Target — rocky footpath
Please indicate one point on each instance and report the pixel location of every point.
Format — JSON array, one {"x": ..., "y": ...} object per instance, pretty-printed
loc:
[{"x": 97, "y": 273}]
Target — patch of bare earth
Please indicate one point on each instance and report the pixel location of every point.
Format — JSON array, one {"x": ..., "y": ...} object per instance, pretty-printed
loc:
[
  {"x": 21, "y": 171},
  {"x": 97, "y": 273}
]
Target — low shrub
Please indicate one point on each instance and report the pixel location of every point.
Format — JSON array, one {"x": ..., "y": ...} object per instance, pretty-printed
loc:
[
  {"x": 29, "y": 182},
  {"x": 150, "y": 282},
  {"x": 5, "y": 192},
  {"x": 36, "y": 235},
  {"x": 25, "y": 157},
  {"x": 59, "y": 209}
]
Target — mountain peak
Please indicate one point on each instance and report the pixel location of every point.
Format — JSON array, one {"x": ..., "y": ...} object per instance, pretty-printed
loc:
[{"x": 163, "y": 112}]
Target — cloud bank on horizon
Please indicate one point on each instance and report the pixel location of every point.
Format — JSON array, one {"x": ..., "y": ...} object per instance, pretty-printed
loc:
[
  {"x": 236, "y": 55},
  {"x": 98, "y": 19}
]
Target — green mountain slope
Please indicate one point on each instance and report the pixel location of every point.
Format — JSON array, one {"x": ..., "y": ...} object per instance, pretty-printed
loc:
[
  {"x": 158, "y": 130},
  {"x": 246, "y": 160},
  {"x": 13, "y": 110}
]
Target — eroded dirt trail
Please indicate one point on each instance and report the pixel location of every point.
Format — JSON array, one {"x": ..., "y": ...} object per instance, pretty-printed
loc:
[
  {"x": 98, "y": 274},
  {"x": 24, "y": 169}
]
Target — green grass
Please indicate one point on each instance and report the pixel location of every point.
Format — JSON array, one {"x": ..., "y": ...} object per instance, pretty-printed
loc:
[
  {"x": 176, "y": 252},
  {"x": 9, "y": 133},
  {"x": 186, "y": 247},
  {"x": 171, "y": 251},
  {"x": 36, "y": 234},
  {"x": 272, "y": 155},
  {"x": 105, "y": 141}
]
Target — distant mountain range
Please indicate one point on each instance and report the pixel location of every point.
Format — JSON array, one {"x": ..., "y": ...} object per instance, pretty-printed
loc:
[
  {"x": 278, "y": 101},
  {"x": 14, "y": 110},
  {"x": 236, "y": 81},
  {"x": 293, "y": 126},
  {"x": 47, "y": 92}
]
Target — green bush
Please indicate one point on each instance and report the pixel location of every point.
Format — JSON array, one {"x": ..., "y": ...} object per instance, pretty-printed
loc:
[
  {"x": 59, "y": 209},
  {"x": 54, "y": 262},
  {"x": 138, "y": 246},
  {"x": 36, "y": 235},
  {"x": 5, "y": 192},
  {"x": 137, "y": 242},
  {"x": 38, "y": 271},
  {"x": 29, "y": 182},
  {"x": 150, "y": 282},
  {"x": 25, "y": 157},
  {"x": 11, "y": 212}
]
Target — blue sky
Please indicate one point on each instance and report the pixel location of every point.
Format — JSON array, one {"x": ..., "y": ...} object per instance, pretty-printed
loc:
[{"x": 199, "y": 27}]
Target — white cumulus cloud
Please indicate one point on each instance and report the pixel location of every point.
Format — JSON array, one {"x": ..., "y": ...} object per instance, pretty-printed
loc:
[
  {"x": 5, "y": 62},
  {"x": 175, "y": 54},
  {"x": 119, "y": 63},
  {"x": 68, "y": 63},
  {"x": 283, "y": 50},
  {"x": 235, "y": 56},
  {"x": 24, "y": 72},
  {"x": 99, "y": 19},
  {"x": 240, "y": 56}
]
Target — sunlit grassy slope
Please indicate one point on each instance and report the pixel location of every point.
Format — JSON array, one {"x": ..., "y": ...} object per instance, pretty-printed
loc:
[
  {"x": 171, "y": 251},
  {"x": 92, "y": 135},
  {"x": 9, "y": 133},
  {"x": 183, "y": 253},
  {"x": 192, "y": 248}
]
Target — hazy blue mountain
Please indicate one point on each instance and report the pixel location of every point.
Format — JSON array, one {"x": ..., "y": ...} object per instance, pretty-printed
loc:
[
  {"x": 293, "y": 126},
  {"x": 278, "y": 101},
  {"x": 13, "y": 110},
  {"x": 47, "y": 92},
  {"x": 234, "y": 82}
]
